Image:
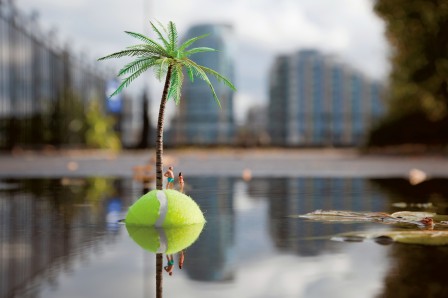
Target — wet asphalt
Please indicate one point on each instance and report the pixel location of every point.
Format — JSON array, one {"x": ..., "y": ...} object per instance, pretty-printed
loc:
[{"x": 222, "y": 162}]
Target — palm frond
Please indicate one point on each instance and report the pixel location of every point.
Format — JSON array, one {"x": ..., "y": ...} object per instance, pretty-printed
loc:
[
  {"x": 203, "y": 76},
  {"x": 132, "y": 77},
  {"x": 163, "y": 53},
  {"x": 129, "y": 53},
  {"x": 149, "y": 43},
  {"x": 190, "y": 72},
  {"x": 162, "y": 69},
  {"x": 199, "y": 50},
  {"x": 163, "y": 27},
  {"x": 136, "y": 64},
  {"x": 149, "y": 49},
  {"x": 190, "y": 42},
  {"x": 218, "y": 76},
  {"x": 172, "y": 34},
  {"x": 145, "y": 39},
  {"x": 177, "y": 79},
  {"x": 159, "y": 34}
]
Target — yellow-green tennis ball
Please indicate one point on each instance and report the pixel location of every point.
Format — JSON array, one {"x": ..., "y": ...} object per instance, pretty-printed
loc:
[
  {"x": 164, "y": 208},
  {"x": 165, "y": 240}
]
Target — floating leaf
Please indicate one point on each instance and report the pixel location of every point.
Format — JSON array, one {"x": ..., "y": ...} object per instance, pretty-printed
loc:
[
  {"x": 422, "y": 237},
  {"x": 412, "y": 215},
  {"x": 403, "y": 218}
]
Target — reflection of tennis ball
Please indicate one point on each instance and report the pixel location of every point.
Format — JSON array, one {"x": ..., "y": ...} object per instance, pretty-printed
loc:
[
  {"x": 165, "y": 240},
  {"x": 164, "y": 208}
]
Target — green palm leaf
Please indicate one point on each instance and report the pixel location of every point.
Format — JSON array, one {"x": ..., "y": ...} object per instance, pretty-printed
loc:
[
  {"x": 162, "y": 56},
  {"x": 190, "y": 42},
  {"x": 146, "y": 40},
  {"x": 218, "y": 76},
  {"x": 135, "y": 65},
  {"x": 150, "y": 50},
  {"x": 190, "y": 72},
  {"x": 177, "y": 79},
  {"x": 157, "y": 31},
  {"x": 162, "y": 68},
  {"x": 199, "y": 50},
  {"x": 132, "y": 77},
  {"x": 172, "y": 33},
  {"x": 128, "y": 53},
  {"x": 203, "y": 76}
]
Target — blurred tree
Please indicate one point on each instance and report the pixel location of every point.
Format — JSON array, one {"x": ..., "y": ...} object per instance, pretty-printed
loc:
[
  {"x": 65, "y": 125},
  {"x": 418, "y": 91},
  {"x": 99, "y": 131},
  {"x": 146, "y": 127}
]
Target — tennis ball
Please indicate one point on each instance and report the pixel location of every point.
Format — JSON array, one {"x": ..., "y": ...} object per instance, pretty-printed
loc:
[
  {"x": 165, "y": 240},
  {"x": 164, "y": 208}
]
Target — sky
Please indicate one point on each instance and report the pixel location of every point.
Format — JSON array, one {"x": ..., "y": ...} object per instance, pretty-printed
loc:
[{"x": 345, "y": 29}]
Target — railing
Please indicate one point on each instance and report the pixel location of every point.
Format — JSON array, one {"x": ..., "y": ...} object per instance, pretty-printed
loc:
[{"x": 44, "y": 88}]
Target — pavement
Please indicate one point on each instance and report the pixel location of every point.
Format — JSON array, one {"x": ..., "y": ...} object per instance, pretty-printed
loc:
[{"x": 223, "y": 161}]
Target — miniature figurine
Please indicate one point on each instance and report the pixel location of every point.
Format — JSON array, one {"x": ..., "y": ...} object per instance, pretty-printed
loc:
[
  {"x": 170, "y": 262},
  {"x": 181, "y": 259},
  {"x": 169, "y": 267},
  {"x": 170, "y": 175},
  {"x": 181, "y": 182}
]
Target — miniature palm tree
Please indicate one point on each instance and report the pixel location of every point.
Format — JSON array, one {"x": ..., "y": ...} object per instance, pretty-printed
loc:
[{"x": 168, "y": 60}]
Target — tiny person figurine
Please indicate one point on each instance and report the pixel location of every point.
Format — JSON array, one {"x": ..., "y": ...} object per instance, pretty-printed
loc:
[
  {"x": 169, "y": 267},
  {"x": 170, "y": 175},
  {"x": 181, "y": 182},
  {"x": 181, "y": 259}
]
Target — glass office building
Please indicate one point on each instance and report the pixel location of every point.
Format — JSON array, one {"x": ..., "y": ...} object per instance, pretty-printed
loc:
[
  {"x": 199, "y": 120},
  {"x": 317, "y": 101}
]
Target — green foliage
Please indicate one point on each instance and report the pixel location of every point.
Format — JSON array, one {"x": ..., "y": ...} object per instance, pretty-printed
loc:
[
  {"x": 409, "y": 127},
  {"x": 419, "y": 76},
  {"x": 66, "y": 125},
  {"x": 100, "y": 132},
  {"x": 64, "y": 194},
  {"x": 162, "y": 54}
]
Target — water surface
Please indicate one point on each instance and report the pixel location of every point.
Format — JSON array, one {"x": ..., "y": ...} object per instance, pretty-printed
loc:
[{"x": 60, "y": 238}]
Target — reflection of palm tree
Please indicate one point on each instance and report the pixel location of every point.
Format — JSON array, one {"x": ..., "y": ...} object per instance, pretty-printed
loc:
[{"x": 159, "y": 277}]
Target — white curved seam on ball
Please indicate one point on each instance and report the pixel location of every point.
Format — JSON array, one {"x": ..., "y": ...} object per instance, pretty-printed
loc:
[
  {"x": 161, "y": 196},
  {"x": 163, "y": 240}
]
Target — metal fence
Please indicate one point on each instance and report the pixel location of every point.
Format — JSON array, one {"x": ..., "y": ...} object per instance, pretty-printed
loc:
[{"x": 44, "y": 88}]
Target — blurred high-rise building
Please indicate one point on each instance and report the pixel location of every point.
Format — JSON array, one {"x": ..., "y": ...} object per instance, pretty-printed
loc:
[
  {"x": 318, "y": 101},
  {"x": 199, "y": 120}
]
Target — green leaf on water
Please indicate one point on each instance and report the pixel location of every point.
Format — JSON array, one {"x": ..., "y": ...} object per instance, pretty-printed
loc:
[
  {"x": 402, "y": 218},
  {"x": 432, "y": 228},
  {"x": 421, "y": 237}
]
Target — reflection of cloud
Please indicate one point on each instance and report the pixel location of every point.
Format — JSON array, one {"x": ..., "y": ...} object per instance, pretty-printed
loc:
[
  {"x": 287, "y": 276},
  {"x": 362, "y": 277},
  {"x": 348, "y": 275},
  {"x": 323, "y": 276},
  {"x": 99, "y": 267}
]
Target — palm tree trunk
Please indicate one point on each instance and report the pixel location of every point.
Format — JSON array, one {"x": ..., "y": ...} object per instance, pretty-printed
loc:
[
  {"x": 159, "y": 172},
  {"x": 159, "y": 142}
]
